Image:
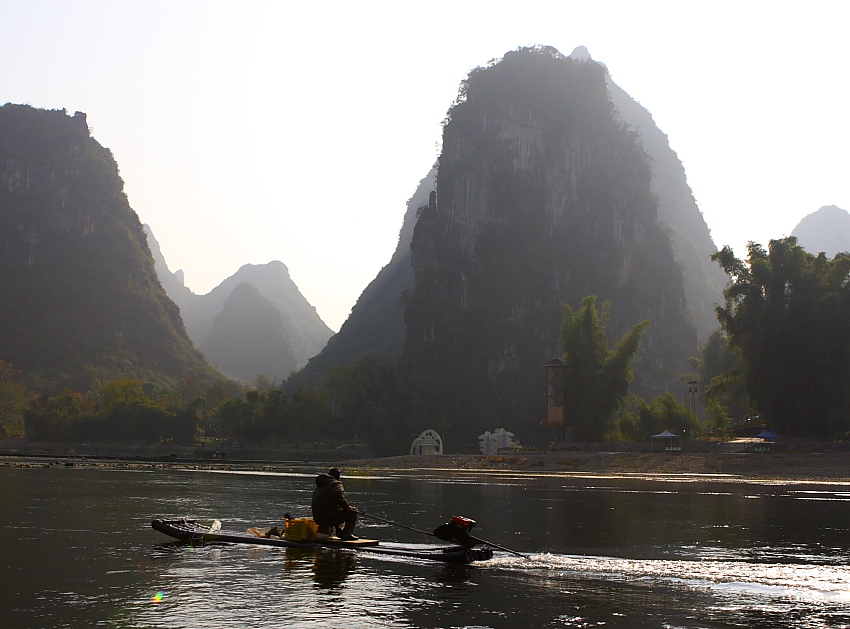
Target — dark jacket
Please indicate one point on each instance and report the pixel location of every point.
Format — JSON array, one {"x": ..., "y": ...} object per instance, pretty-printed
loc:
[{"x": 328, "y": 500}]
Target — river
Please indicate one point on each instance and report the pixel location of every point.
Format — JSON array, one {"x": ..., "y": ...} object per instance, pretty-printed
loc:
[{"x": 78, "y": 551}]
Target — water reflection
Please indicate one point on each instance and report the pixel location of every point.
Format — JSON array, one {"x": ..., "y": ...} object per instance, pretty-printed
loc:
[{"x": 331, "y": 569}]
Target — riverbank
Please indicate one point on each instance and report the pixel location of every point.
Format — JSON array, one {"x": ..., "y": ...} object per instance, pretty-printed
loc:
[
  {"x": 746, "y": 467},
  {"x": 754, "y": 467}
]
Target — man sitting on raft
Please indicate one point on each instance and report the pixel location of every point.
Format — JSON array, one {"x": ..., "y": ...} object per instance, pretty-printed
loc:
[{"x": 330, "y": 508}]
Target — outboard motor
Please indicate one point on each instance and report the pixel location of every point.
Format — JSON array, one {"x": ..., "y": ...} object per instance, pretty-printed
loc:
[{"x": 457, "y": 530}]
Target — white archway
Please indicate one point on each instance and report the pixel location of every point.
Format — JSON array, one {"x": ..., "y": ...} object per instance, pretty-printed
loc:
[{"x": 429, "y": 442}]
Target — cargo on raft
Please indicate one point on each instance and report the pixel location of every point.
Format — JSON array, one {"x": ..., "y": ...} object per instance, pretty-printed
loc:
[{"x": 301, "y": 533}]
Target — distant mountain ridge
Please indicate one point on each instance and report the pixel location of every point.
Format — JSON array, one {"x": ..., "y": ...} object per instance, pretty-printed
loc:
[
  {"x": 827, "y": 230},
  {"x": 223, "y": 328},
  {"x": 248, "y": 337},
  {"x": 173, "y": 283},
  {"x": 81, "y": 301}
]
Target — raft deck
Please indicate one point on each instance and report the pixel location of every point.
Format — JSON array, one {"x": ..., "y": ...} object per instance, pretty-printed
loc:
[{"x": 193, "y": 531}]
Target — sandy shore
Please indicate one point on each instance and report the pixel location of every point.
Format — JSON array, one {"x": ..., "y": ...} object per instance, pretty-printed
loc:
[{"x": 833, "y": 467}]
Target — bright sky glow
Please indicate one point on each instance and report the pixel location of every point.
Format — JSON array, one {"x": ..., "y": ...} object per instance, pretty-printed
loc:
[{"x": 256, "y": 131}]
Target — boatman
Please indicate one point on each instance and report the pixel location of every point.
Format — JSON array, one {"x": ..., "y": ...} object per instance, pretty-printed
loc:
[{"x": 330, "y": 508}]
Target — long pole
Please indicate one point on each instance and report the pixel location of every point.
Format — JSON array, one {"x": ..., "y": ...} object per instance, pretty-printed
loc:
[
  {"x": 410, "y": 528},
  {"x": 476, "y": 539},
  {"x": 507, "y": 550}
]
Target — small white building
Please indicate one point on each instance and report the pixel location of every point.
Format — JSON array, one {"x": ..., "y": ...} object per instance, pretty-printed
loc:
[
  {"x": 490, "y": 443},
  {"x": 429, "y": 442}
]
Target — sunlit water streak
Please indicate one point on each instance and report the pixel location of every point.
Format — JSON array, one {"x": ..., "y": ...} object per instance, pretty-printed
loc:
[
  {"x": 734, "y": 592},
  {"x": 802, "y": 582}
]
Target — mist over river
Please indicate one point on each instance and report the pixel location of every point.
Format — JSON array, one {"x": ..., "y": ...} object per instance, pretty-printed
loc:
[{"x": 78, "y": 551}]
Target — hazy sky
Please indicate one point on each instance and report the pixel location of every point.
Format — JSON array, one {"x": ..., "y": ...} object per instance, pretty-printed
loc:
[{"x": 255, "y": 131}]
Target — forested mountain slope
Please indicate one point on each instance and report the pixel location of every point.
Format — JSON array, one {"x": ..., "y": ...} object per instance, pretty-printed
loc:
[{"x": 81, "y": 301}]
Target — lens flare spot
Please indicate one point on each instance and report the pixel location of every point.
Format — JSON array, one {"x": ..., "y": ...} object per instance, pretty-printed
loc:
[{"x": 157, "y": 598}]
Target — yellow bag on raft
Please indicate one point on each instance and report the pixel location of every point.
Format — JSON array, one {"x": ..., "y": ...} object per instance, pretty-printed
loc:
[{"x": 300, "y": 529}]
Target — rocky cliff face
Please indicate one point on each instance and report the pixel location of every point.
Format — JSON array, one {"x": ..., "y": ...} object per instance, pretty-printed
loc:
[
  {"x": 826, "y": 230},
  {"x": 543, "y": 197},
  {"x": 80, "y": 297},
  {"x": 376, "y": 325}
]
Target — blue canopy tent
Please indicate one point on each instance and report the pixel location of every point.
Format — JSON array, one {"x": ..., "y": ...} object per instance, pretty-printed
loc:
[
  {"x": 670, "y": 438},
  {"x": 768, "y": 441}
]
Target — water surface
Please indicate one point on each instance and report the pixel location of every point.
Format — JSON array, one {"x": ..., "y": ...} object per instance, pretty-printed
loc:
[{"x": 79, "y": 552}]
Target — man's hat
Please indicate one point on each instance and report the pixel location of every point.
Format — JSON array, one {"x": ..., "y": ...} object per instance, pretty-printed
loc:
[{"x": 334, "y": 472}]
